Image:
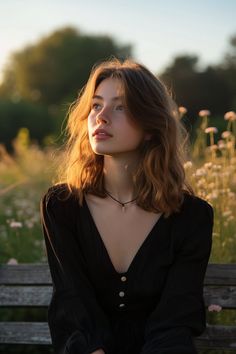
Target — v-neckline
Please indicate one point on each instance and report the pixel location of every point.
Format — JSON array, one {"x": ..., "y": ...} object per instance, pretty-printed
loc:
[{"x": 138, "y": 252}]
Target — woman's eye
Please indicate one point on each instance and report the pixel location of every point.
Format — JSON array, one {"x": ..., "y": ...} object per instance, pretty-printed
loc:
[
  {"x": 96, "y": 106},
  {"x": 120, "y": 107}
]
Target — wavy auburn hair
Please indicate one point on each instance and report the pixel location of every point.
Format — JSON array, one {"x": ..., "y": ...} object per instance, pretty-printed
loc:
[{"x": 160, "y": 181}]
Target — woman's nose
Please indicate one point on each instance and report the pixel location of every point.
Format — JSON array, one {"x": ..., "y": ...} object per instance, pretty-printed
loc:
[{"x": 102, "y": 117}]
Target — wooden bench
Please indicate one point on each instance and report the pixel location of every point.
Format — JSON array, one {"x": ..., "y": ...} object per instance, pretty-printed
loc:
[{"x": 29, "y": 285}]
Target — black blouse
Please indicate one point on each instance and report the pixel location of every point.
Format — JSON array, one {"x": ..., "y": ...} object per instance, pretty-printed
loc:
[{"x": 156, "y": 307}]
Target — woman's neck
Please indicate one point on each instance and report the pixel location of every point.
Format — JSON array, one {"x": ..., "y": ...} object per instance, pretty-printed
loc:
[{"x": 118, "y": 177}]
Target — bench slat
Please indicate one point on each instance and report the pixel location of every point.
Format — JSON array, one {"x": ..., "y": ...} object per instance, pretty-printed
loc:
[
  {"x": 24, "y": 333},
  {"x": 40, "y": 296},
  {"x": 218, "y": 337},
  {"x": 28, "y": 274},
  {"x": 37, "y": 296},
  {"x": 217, "y": 274},
  {"x": 223, "y": 296},
  {"x": 221, "y": 274},
  {"x": 38, "y": 333}
]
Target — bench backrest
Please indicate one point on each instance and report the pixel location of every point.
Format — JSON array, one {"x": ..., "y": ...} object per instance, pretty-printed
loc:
[{"x": 29, "y": 285}]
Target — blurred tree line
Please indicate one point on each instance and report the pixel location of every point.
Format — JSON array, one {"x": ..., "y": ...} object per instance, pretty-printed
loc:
[{"x": 41, "y": 80}]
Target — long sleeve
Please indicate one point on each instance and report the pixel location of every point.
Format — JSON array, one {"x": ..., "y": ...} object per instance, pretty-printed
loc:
[
  {"x": 180, "y": 314},
  {"x": 77, "y": 323}
]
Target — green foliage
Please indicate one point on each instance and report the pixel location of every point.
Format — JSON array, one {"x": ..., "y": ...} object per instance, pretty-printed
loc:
[
  {"x": 195, "y": 89},
  {"x": 35, "y": 117},
  {"x": 53, "y": 70}
]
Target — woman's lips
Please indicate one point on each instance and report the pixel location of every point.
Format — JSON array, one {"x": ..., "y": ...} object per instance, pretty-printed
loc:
[{"x": 101, "y": 134}]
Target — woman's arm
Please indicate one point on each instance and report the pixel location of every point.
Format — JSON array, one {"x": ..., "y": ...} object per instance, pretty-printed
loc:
[
  {"x": 180, "y": 313},
  {"x": 77, "y": 323}
]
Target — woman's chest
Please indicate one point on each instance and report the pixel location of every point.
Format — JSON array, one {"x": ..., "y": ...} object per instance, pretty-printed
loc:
[{"x": 122, "y": 234}]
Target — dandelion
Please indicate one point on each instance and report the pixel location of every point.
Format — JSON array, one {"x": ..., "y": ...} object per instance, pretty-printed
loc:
[
  {"x": 204, "y": 113},
  {"x": 214, "y": 308},
  {"x": 231, "y": 115}
]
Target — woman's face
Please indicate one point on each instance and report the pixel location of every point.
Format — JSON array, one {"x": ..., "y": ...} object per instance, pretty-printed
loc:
[{"x": 111, "y": 131}]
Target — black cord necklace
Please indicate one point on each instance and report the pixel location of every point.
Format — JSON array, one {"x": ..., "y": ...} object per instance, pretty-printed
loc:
[{"x": 122, "y": 204}]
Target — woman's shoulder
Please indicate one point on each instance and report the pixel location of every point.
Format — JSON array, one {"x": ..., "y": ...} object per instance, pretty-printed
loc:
[
  {"x": 194, "y": 204},
  {"x": 59, "y": 195},
  {"x": 194, "y": 209}
]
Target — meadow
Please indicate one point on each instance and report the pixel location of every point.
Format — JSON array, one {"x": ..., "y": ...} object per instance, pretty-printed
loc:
[{"x": 26, "y": 174}]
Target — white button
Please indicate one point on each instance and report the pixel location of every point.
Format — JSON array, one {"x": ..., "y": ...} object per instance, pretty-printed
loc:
[
  {"x": 121, "y": 305},
  {"x": 121, "y": 294},
  {"x": 123, "y": 278}
]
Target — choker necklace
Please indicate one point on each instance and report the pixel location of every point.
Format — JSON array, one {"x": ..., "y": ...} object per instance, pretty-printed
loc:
[{"x": 122, "y": 204}]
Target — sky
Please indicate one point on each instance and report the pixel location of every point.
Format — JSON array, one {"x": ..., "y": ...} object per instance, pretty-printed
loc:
[{"x": 158, "y": 30}]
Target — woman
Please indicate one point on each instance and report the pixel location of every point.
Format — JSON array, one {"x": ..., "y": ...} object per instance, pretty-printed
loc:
[{"x": 127, "y": 241}]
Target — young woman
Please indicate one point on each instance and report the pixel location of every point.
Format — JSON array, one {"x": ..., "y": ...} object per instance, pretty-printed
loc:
[{"x": 127, "y": 240}]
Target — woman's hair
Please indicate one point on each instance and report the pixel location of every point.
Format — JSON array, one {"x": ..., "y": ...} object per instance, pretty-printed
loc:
[{"x": 160, "y": 180}]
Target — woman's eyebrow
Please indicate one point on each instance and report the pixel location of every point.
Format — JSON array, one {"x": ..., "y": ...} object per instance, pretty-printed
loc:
[{"x": 116, "y": 98}]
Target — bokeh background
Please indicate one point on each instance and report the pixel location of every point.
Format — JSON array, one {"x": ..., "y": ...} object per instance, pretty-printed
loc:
[{"x": 47, "y": 49}]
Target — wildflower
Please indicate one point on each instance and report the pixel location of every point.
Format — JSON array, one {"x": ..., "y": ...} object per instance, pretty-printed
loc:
[
  {"x": 213, "y": 195},
  {"x": 201, "y": 183},
  {"x": 188, "y": 165},
  {"x": 217, "y": 167},
  {"x": 214, "y": 308},
  {"x": 213, "y": 147},
  {"x": 226, "y": 213},
  {"x": 15, "y": 224},
  {"x": 221, "y": 144},
  {"x": 200, "y": 172},
  {"x": 226, "y": 134},
  {"x": 211, "y": 130},
  {"x": 208, "y": 165},
  {"x": 231, "y": 115},
  {"x": 12, "y": 261},
  {"x": 230, "y": 144},
  {"x": 204, "y": 113},
  {"x": 182, "y": 110}
]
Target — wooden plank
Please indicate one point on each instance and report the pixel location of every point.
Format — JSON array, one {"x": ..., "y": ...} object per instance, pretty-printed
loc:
[
  {"x": 41, "y": 295},
  {"x": 25, "y": 274},
  {"x": 225, "y": 296},
  {"x": 221, "y": 274},
  {"x": 25, "y": 295},
  {"x": 217, "y": 274},
  {"x": 24, "y": 333},
  {"x": 218, "y": 337},
  {"x": 215, "y": 337}
]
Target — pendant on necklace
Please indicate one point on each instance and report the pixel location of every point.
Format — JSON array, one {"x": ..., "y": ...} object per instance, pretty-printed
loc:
[{"x": 123, "y": 208}]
